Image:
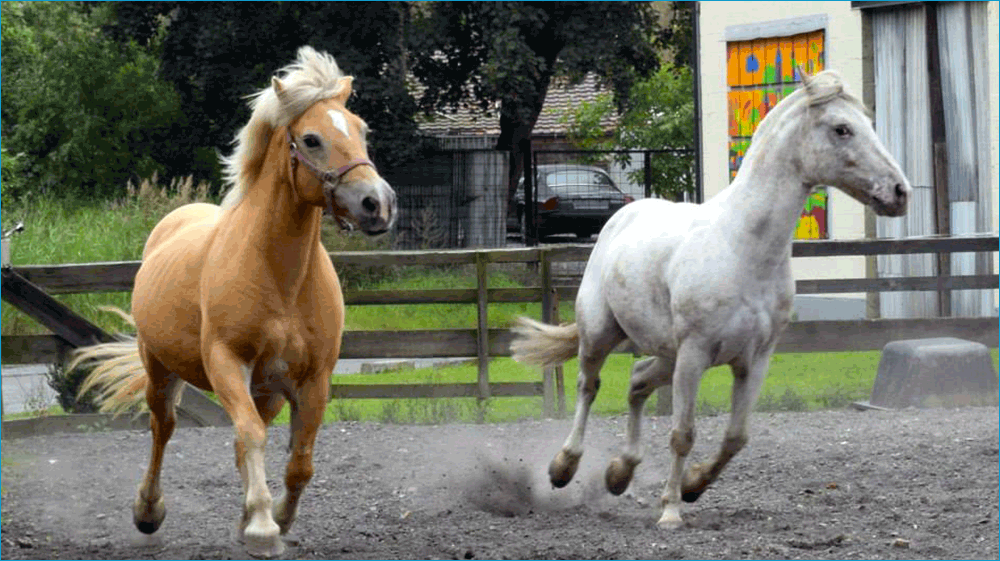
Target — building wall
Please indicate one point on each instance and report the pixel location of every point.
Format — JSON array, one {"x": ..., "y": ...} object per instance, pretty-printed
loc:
[
  {"x": 843, "y": 45},
  {"x": 993, "y": 29}
]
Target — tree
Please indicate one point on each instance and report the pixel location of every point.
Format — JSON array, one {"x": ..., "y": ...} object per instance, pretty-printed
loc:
[
  {"x": 86, "y": 114},
  {"x": 481, "y": 53},
  {"x": 678, "y": 34},
  {"x": 216, "y": 53},
  {"x": 659, "y": 115}
]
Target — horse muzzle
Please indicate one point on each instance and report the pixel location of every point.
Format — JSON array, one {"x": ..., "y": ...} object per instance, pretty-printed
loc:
[
  {"x": 370, "y": 205},
  {"x": 891, "y": 198}
]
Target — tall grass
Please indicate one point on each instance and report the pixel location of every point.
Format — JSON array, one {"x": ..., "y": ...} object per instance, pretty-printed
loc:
[{"x": 72, "y": 230}]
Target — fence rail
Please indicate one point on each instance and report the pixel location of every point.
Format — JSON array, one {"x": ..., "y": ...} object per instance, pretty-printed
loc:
[
  {"x": 484, "y": 342},
  {"x": 118, "y": 276}
]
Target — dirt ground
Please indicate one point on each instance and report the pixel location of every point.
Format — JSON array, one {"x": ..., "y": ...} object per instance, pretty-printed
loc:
[{"x": 834, "y": 485}]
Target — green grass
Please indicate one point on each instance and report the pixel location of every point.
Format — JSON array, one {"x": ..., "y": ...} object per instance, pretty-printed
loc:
[
  {"x": 398, "y": 317},
  {"x": 795, "y": 382},
  {"x": 67, "y": 233},
  {"x": 51, "y": 410},
  {"x": 61, "y": 231}
]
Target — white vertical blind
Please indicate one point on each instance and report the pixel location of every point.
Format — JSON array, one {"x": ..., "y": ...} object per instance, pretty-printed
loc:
[{"x": 902, "y": 119}]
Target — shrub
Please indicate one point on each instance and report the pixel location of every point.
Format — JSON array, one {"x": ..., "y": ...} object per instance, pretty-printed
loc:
[
  {"x": 66, "y": 384},
  {"x": 11, "y": 180},
  {"x": 87, "y": 114}
]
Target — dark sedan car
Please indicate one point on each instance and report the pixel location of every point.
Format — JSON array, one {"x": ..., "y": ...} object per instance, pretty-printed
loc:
[{"x": 570, "y": 199}]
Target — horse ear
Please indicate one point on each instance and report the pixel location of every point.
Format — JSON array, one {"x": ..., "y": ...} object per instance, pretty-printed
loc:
[
  {"x": 344, "y": 93},
  {"x": 806, "y": 77},
  {"x": 278, "y": 87}
]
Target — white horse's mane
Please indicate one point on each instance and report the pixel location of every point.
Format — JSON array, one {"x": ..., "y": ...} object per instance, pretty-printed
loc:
[
  {"x": 313, "y": 77},
  {"x": 816, "y": 90}
]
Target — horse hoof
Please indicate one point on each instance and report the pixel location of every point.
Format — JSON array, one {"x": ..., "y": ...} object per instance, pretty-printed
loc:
[
  {"x": 266, "y": 543},
  {"x": 619, "y": 474},
  {"x": 696, "y": 480},
  {"x": 671, "y": 519},
  {"x": 147, "y": 516},
  {"x": 563, "y": 467}
]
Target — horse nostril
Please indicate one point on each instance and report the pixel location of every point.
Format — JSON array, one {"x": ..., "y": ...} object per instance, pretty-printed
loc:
[
  {"x": 370, "y": 205},
  {"x": 900, "y": 191}
]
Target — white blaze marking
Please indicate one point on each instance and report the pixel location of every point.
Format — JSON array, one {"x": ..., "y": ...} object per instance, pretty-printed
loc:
[{"x": 339, "y": 121}]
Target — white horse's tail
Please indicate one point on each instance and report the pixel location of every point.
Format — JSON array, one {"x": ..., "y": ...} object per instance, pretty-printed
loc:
[
  {"x": 542, "y": 344},
  {"x": 118, "y": 372}
]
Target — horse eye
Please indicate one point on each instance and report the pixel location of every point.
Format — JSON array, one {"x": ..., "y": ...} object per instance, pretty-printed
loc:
[
  {"x": 310, "y": 141},
  {"x": 842, "y": 130}
]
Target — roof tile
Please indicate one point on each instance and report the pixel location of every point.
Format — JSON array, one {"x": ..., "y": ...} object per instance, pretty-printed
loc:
[{"x": 560, "y": 98}]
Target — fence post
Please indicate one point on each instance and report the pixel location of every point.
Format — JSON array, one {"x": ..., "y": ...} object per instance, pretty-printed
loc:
[
  {"x": 482, "y": 331},
  {"x": 939, "y": 152},
  {"x": 547, "y": 382},
  {"x": 647, "y": 173},
  {"x": 530, "y": 210},
  {"x": 560, "y": 373}
]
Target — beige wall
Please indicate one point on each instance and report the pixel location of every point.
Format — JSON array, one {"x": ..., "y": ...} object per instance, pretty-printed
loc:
[{"x": 843, "y": 43}]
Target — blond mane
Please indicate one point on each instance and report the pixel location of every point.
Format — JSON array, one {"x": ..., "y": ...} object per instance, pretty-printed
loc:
[{"x": 313, "y": 77}]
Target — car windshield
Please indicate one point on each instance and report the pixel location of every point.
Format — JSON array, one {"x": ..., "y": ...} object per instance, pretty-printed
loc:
[{"x": 580, "y": 181}]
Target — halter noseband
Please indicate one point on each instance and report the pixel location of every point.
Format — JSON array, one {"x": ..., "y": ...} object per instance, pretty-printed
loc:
[
  {"x": 331, "y": 176},
  {"x": 328, "y": 177}
]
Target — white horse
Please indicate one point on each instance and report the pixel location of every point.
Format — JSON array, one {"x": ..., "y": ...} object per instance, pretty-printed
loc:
[{"x": 697, "y": 286}]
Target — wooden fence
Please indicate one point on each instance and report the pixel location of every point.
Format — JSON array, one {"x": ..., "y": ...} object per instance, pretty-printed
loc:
[{"x": 484, "y": 342}]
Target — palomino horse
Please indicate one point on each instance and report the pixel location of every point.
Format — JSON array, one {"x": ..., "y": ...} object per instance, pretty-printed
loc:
[
  {"x": 242, "y": 300},
  {"x": 697, "y": 286}
]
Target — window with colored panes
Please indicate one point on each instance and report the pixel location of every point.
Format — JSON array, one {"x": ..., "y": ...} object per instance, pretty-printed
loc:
[{"x": 759, "y": 74}]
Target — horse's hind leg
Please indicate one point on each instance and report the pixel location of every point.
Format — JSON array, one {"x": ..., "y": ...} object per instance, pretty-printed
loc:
[
  {"x": 647, "y": 375},
  {"x": 747, "y": 381},
  {"x": 593, "y": 352},
  {"x": 307, "y": 417},
  {"x": 149, "y": 509}
]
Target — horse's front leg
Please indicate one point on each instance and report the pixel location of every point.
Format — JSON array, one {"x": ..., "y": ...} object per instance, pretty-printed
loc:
[
  {"x": 307, "y": 417},
  {"x": 692, "y": 360},
  {"x": 228, "y": 375},
  {"x": 747, "y": 382}
]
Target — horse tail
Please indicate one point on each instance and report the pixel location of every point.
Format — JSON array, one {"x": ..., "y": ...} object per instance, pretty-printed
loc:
[
  {"x": 542, "y": 344},
  {"x": 118, "y": 373}
]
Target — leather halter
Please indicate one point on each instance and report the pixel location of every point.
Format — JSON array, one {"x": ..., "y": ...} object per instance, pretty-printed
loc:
[{"x": 332, "y": 177}]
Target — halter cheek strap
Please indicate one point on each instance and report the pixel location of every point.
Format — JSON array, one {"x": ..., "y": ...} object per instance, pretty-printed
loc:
[{"x": 329, "y": 176}]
